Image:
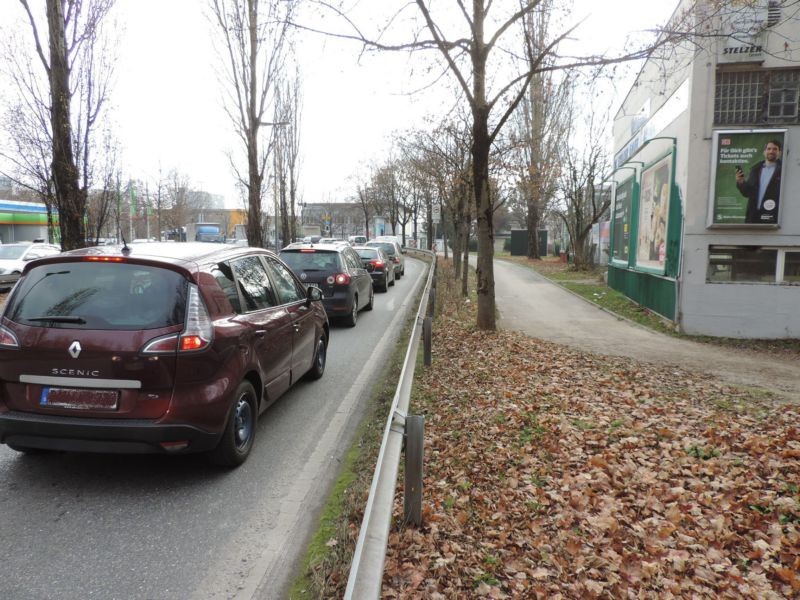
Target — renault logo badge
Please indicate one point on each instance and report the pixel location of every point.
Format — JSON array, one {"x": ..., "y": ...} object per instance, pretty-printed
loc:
[{"x": 75, "y": 349}]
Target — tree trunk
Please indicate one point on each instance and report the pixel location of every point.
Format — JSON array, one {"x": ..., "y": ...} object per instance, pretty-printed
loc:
[
  {"x": 255, "y": 234},
  {"x": 465, "y": 263},
  {"x": 71, "y": 203},
  {"x": 532, "y": 223},
  {"x": 457, "y": 241},
  {"x": 481, "y": 145}
]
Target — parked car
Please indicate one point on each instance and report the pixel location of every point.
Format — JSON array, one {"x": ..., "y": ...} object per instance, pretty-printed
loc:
[
  {"x": 165, "y": 348},
  {"x": 13, "y": 257},
  {"x": 378, "y": 265},
  {"x": 392, "y": 250},
  {"x": 337, "y": 271}
]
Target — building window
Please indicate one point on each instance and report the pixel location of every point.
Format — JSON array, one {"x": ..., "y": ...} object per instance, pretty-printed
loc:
[
  {"x": 757, "y": 97},
  {"x": 739, "y": 97},
  {"x": 773, "y": 13},
  {"x": 791, "y": 267},
  {"x": 783, "y": 95},
  {"x": 753, "y": 264}
]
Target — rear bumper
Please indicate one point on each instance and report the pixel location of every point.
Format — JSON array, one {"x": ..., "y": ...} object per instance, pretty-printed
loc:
[
  {"x": 76, "y": 434},
  {"x": 338, "y": 305},
  {"x": 379, "y": 277}
]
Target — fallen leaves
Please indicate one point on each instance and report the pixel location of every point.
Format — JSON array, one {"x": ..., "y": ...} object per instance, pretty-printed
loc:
[{"x": 551, "y": 473}]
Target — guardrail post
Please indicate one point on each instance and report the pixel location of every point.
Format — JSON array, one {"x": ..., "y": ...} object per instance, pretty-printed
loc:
[
  {"x": 427, "y": 339},
  {"x": 415, "y": 442}
]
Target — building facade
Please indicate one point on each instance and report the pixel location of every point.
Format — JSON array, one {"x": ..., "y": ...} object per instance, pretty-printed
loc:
[
  {"x": 24, "y": 221},
  {"x": 705, "y": 227},
  {"x": 343, "y": 219}
]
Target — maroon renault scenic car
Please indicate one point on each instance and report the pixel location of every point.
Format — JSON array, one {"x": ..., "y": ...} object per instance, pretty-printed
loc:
[{"x": 161, "y": 347}]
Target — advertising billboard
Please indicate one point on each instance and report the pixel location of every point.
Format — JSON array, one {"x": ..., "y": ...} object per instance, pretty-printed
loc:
[
  {"x": 623, "y": 198},
  {"x": 654, "y": 199},
  {"x": 747, "y": 177}
]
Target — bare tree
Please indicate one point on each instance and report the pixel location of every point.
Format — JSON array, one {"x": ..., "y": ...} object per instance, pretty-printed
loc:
[
  {"x": 480, "y": 44},
  {"x": 78, "y": 69},
  {"x": 287, "y": 152},
  {"x": 177, "y": 187},
  {"x": 366, "y": 202},
  {"x": 442, "y": 158},
  {"x": 583, "y": 199},
  {"x": 540, "y": 125},
  {"x": 101, "y": 203},
  {"x": 254, "y": 37}
]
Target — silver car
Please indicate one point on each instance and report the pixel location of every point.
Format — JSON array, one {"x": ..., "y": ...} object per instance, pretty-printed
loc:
[{"x": 395, "y": 253}]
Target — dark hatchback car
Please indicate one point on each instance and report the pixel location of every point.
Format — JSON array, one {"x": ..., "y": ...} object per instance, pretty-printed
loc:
[
  {"x": 337, "y": 271},
  {"x": 378, "y": 265},
  {"x": 156, "y": 348}
]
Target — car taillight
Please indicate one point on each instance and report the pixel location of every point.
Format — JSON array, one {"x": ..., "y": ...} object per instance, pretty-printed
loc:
[
  {"x": 199, "y": 331},
  {"x": 377, "y": 263},
  {"x": 7, "y": 338},
  {"x": 161, "y": 345},
  {"x": 103, "y": 259},
  {"x": 338, "y": 279},
  {"x": 196, "y": 335},
  {"x": 396, "y": 260}
]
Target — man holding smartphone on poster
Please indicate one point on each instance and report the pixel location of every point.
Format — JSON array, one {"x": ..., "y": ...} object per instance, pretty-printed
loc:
[{"x": 762, "y": 187}]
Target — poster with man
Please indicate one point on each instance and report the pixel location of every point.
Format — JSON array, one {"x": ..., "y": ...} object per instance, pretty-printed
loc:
[{"x": 748, "y": 177}]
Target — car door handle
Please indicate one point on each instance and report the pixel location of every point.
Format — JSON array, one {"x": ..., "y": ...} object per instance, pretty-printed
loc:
[{"x": 260, "y": 333}]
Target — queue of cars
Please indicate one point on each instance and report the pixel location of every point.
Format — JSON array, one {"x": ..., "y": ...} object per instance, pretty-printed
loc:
[{"x": 172, "y": 348}]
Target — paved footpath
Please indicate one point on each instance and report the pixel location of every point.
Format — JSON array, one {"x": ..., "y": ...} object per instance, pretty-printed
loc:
[{"x": 530, "y": 303}]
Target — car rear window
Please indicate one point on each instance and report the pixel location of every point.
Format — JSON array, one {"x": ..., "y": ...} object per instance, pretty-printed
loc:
[
  {"x": 386, "y": 247},
  {"x": 90, "y": 295},
  {"x": 367, "y": 253},
  {"x": 312, "y": 260}
]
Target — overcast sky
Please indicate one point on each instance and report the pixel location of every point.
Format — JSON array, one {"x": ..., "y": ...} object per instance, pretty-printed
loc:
[{"x": 167, "y": 103}]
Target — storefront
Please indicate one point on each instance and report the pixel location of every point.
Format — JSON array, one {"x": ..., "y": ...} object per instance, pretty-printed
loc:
[{"x": 705, "y": 225}]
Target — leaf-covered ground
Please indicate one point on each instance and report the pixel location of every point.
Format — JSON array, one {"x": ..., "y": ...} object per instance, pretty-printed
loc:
[{"x": 555, "y": 474}]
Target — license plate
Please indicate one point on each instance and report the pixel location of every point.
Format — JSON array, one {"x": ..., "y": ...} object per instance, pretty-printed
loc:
[
  {"x": 79, "y": 399},
  {"x": 313, "y": 285}
]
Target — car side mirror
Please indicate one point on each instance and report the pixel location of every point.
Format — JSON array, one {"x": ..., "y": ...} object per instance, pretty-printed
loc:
[{"x": 313, "y": 294}]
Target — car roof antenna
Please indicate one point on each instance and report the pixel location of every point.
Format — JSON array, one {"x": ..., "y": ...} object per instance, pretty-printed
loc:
[{"x": 125, "y": 248}]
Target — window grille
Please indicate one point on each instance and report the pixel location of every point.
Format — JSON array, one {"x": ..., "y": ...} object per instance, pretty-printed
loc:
[
  {"x": 757, "y": 97},
  {"x": 739, "y": 97},
  {"x": 773, "y": 13},
  {"x": 783, "y": 95}
]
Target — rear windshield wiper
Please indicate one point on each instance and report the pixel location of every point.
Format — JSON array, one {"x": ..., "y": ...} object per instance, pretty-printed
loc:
[{"x": 60, "y": 319}]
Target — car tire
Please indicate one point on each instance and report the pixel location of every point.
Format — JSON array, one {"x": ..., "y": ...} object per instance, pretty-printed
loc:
[
  {"x": 385, "y": 286},
  {"x": 240, "y": 431},
  {"x": 371, "y": 303},
  {"x": 317, "y": 369},
  {"x": 351, "y": 319}
]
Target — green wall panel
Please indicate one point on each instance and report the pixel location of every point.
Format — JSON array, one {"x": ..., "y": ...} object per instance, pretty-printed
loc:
[{"x": 651, "y": 291}]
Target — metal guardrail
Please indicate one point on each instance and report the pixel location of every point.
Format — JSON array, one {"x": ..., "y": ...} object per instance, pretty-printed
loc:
[{"x": 366, "y": 570}]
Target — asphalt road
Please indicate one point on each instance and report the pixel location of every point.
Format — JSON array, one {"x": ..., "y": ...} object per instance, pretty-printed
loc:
[{"x": 79, "y": 526}]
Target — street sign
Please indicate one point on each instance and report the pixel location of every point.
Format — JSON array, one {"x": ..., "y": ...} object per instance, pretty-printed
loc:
[{"x": 436, "y": 213}]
